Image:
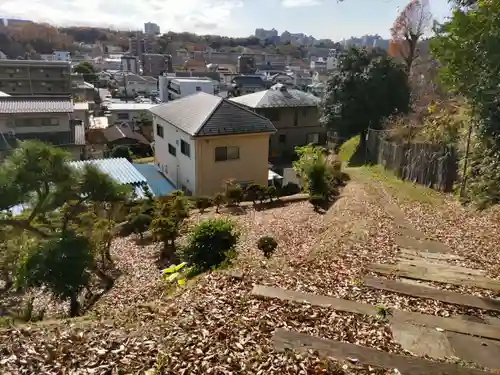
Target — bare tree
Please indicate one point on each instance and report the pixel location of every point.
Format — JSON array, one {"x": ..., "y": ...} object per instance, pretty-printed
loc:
[{"x": 414, "y": 21}]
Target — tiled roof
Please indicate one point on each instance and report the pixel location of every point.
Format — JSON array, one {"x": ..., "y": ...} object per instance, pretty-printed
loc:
[
  {"x": 35, "y": 104},
  {"x": 249, "y": 81},
  {"x": 119, "y": 169},
  {"x": 203, "y": 114},
  {"x": 277, "y": 97},
  {"x": 116, "y": 132}
]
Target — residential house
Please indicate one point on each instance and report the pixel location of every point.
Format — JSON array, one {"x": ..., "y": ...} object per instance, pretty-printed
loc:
[
  {"x": 133, "y": 84},
  {"x": 246, "y": 84},
  {"x": 301, "y": 79},
  {"x": 294, "y": 113},
  {"x": 102, "y": 141},
  {"x": 282, "y": 78},
  {"x": 35, "y": 77},
  {"x": 47, "y": 118},
  {"x": 81, "y": 111},
  {"x": 128, "y": 112},
  {"x": 319, "y": 65},
  {"x": 81, "y": 89},
  {"x": 203, "y": 140}
]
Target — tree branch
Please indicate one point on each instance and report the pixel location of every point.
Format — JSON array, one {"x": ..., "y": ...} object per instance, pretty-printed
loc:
[{"x": 24, "y": 225}]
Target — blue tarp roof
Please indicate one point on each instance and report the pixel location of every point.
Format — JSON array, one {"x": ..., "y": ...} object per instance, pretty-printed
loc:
[{"x": 159, "y": 185}]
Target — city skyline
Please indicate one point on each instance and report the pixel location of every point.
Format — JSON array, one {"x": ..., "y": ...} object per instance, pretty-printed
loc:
[{"x": 236, "y": 18}]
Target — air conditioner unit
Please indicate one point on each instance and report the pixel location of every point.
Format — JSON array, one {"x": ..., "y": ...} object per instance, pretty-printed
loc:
[{"x": 11, "y": 133}]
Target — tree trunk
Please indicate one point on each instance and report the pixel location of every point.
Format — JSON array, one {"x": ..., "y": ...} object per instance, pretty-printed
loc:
[
  {"x": 74, "y": 306},
  {"x": 107, "y": 280}
]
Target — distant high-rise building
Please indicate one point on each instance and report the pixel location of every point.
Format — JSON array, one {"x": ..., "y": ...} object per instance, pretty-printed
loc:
[
  {"x": 139, "y": 45},
  {"x": 263, "y": 34},
  {"x": 151, "y": 28}
]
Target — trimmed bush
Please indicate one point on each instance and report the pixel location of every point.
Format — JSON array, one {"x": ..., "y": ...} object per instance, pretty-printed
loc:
[
  {"x": 140, "y": 223},
  {"x": 253, "y": 192},
  {"x": 209, "y": 244},
  {"x": 318, "y": 201},
  {"x": 234, "y": 194},
  {"x": 218, "y": 200},
  {"x": 267, "y": 245},
  {"x": 290, "y": 189},
  {"x": 202, "y": 203},
  {"x": 272, "y": 192}
]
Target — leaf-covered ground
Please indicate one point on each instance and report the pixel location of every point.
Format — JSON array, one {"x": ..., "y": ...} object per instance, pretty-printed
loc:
[{"x": 214, "y": 325}]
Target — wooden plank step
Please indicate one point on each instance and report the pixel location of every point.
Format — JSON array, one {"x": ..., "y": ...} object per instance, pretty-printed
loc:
[
  {"x": 442, "y": 267},
  {"x": 432, "y": 293},
  {"x": 448, "y": 324},
  {"x": 403, "y": 258},
  {"x": 419, "y": 340},
  {"x": 442, "y": 276},
  {"x": 421, "y": 245},
  {"x": 410, "y": 232},
  {"x": 341, "y": 351},
  {"x": 483, "y": 352},
  {"x": 413, "y": 254}
]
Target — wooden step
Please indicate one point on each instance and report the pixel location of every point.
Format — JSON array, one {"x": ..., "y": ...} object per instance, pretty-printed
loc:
[
  {"x": 440, "y": 275},
  {"x": 422, "y": 245},
  {"x": 432, "y": 293},
  {"x": 414, "y": 254},
  {"x": 448, "y": 324},
  {"x": 346, "y": 352},
  {"x": 441, "y": 266}
]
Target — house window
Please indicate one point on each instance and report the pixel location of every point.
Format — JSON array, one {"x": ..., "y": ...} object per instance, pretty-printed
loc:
[
  {"x": 122, "y": 116},
  {"x": 282, "y": 138},
  {"x": 185, "y": 148},
  {"x": 198, "y": 88},
  {"x": 313, "y": 138},
  {"x": 172, "y": 150},
  {"x": 273, "y": 114},
  {"x": 159, "y": 131},
  {"x": 227, "y": 153},
  {"x": 49, "y": 122},
  {"x": 296, "y": 118}
]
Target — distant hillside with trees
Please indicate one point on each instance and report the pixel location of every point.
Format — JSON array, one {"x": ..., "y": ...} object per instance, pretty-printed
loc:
[{"x": 29, "y": 40}]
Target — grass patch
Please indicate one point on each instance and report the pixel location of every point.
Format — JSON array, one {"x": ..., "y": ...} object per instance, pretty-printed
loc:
[
  {"x": 404, "y": 191},
  {"x": 348, "y": 149},
  {"x": 149, "y": 160}
]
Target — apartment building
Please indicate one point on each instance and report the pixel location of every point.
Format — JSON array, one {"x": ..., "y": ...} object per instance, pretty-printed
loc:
[
  {"x": 139, "y": 45},
  {"x": 35, "y": 77},
  {"x": 151, "y": 28},
  {"x": 154, "y": 64}
]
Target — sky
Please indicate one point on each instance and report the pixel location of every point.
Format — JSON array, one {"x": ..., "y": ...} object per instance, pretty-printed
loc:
[{"x": 319, "y": 18}]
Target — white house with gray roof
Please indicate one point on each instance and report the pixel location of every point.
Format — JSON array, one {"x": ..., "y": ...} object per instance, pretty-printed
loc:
[{"x": 203, "y": 140}]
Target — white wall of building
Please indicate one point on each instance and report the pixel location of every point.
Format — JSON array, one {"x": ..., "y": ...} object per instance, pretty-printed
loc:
[
  {"x": 62, "y": 56},
  {"x": 179, "y": 169}
]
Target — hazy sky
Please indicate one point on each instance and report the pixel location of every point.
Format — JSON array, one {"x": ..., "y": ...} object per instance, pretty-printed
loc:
[{"x": 320, "y": 18}]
